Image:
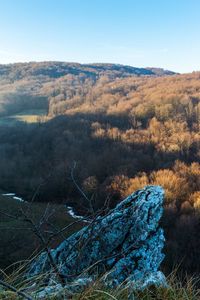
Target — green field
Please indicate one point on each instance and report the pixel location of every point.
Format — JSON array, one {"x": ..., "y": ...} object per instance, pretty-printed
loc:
[
  {"x": 28, "y": 116},
  {"x": 17, "y": 240}
]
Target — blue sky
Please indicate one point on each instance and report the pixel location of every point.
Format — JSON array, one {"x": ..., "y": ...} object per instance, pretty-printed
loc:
[{"x": 158, "y": 33}]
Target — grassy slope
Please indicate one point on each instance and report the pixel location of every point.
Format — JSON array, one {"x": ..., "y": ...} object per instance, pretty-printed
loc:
[{"x": 16, "y": 237}]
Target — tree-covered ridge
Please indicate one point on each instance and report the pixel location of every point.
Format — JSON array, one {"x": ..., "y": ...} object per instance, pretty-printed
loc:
[
  {"x": 18, "y": 71},
  {"x": 140, "y": 98},
  {"x": 31, "y": 85}
]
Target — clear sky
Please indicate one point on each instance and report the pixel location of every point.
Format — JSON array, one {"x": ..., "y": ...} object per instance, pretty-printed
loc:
[{"x": 141, "y": 33}]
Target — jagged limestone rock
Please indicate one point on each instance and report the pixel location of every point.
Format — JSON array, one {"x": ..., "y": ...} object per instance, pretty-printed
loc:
[{"x": 125, "y": 246}]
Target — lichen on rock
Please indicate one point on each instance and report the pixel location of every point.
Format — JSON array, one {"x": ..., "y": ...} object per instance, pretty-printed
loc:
[{"x": 123, "y": 247}]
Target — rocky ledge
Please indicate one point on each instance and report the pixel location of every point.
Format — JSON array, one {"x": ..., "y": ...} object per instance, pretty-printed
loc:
[{"x": 122, "y": 247}]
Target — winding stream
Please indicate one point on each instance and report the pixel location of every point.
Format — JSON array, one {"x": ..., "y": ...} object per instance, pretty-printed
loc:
[
  {"x": 70, "y": 209},
  {"x": 13, "y": 195}
]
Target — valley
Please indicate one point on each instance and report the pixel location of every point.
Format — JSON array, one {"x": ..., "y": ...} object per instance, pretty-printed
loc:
[
  {"x": 122, "y": 127},
  {"x": 99, "y": 150}
]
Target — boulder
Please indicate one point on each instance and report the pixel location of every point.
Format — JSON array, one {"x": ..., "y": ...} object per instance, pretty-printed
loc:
[{"x": 122, "y": 247}]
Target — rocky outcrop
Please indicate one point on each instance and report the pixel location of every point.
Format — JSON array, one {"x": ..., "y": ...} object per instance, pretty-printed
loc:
[{"x": 125, "y": 246}]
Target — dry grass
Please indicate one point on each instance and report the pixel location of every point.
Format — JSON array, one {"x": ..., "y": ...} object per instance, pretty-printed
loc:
[{"x": 176, "y": 289}]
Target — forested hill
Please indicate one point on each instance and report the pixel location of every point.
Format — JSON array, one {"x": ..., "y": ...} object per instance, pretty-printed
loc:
[
  {"x": 124, "y": 127},
  {"x": 19, "y": 71},
  {"x": 33, "y": 85}
]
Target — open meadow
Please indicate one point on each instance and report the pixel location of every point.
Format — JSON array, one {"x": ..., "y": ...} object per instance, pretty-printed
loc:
[{"x": 28, "y": 116}]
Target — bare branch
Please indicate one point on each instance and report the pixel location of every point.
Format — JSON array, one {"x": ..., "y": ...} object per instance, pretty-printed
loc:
[
  {"x": 39, "y": 234},
  {"x": 39, "y": 186},
  {"x": 79, "y": 189}
]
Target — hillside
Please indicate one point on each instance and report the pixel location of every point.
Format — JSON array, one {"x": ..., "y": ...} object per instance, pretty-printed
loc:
[
  {"x": 31, "y": 85},
  {"x": 124, "y": 127},
  {"x": 49, "y": 70}
]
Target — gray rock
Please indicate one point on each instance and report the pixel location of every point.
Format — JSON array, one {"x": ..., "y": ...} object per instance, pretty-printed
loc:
[{"x": 125, "y": 246}]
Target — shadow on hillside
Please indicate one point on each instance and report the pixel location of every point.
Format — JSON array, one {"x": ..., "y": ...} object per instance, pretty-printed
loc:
[{"x": 29, "y": 153}]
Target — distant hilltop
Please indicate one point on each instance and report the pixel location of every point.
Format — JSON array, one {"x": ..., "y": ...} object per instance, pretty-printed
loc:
[{"x": 53, "y": 69}]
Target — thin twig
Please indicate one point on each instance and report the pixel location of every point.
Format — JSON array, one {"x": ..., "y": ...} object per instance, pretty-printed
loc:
[
  {"x": 79, "y": 189},
  {"x": 38, "y": 233}
]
